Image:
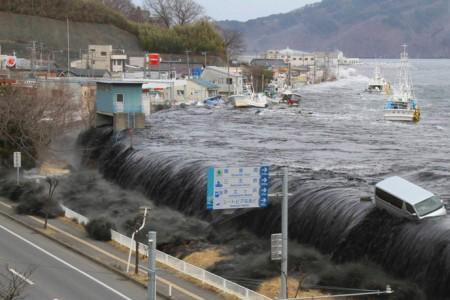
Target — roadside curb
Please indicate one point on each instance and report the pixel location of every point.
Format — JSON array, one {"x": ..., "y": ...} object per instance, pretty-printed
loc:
[{"x": 67, "y": 246}]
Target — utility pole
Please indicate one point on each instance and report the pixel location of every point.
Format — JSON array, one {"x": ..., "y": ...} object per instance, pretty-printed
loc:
[
  {"x": 315, "y": 59},
  {"x": 187, "y": 63},
  {"x": 40, "y": 53},
  {"x": 284, "y": 235},
  {"x": 145, "y": 65},
  {"x": 289, "y": 74},
  {"x": 48, "y": 64},
  {"x": 204, "y": 53},
  {"x": 68, "y": 48},
  {"x": 228, "y": 72},
  {"x": 33, "y": 57},
  {"x": 262, "y": 82},
  {"x": 151, "y": 265}
]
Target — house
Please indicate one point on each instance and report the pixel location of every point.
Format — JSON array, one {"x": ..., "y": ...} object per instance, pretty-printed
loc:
[
  {"x": 119, "y": 103},
  {"x": 229, "y": 82},
  {"x": 102, "y": 57},
  {"x": 163, "y": 93},
  {"x": 269, "y": 63},
  {"x": 197, "y": 89}
]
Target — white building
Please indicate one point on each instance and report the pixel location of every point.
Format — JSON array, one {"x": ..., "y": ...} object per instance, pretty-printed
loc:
[
  {"x": 299, "y": 58},
  {"x": 229, "y": 82},
  {"x": 294, "y": 57},
  {"x": 102, "y": 57}
]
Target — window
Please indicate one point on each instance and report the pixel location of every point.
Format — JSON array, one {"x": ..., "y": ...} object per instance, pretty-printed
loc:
[
  {"x": 389, "y": 198},
  {"x": 409, "y": 208},
  {"x": 428, "y": 206},
  {"x": 103, "y": 53},
  {"x": 119, "y": 98}
]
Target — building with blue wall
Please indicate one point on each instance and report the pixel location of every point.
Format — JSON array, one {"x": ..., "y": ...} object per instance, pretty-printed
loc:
[{"x": 119, "y": 103}]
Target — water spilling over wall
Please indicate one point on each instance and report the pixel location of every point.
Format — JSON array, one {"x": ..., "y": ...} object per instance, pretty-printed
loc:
[{"x": 325, "y": 210}]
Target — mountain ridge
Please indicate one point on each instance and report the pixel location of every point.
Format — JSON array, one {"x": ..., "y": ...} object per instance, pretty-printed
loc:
[{"x": 360, "y": 28}]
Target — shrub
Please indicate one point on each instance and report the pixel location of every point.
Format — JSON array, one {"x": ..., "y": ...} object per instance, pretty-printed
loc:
[{"x": 99, "y": 229}]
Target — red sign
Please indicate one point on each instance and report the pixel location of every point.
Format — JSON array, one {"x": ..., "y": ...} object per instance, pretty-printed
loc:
[
  {"x": 11, "y": 61},
  {"x": 154, "y": 59}
]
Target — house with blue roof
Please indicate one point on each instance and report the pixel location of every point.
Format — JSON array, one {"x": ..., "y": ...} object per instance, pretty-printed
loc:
[
  {"x": 199, "y": 89},
  {"x": 119, "y": 104}
]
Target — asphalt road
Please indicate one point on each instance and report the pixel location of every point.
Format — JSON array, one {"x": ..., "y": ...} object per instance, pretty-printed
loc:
[{"x": 59, "y": 273}]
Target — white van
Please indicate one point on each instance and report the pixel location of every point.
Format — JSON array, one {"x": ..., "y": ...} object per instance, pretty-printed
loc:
[{"x": 405, "y": 199}]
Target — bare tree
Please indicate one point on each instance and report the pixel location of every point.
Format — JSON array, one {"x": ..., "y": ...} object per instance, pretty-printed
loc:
[
  {"x": 186, "y": 11},
  {"x": 31, "y": 116},
  {"x": 13, "y": 283},
  {"x": 175, "y": 12},
  {"x": 52, "y": 185},
  {"x": 162, "y": 9},
  {"x": 128, "y": 9},
  {"x": 233, "y": 42}
]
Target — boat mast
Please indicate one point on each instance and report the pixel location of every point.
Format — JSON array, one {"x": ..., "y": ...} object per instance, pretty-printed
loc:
[{"x": 405, "y": 84}]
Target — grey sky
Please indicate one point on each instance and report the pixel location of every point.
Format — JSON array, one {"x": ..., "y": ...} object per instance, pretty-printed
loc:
[{"x": 243, "y": 10}]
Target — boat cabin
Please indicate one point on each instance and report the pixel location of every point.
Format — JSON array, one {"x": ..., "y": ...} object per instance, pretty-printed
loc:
[{"x": 405, "y": 199}]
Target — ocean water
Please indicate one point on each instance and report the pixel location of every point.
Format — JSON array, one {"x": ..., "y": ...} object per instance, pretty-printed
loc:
[{"x": 337, "y": 146}]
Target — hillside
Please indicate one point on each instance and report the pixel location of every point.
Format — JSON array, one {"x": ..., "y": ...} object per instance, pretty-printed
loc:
[
  {"x": 94, "y": 22},
  {"x": 361, "y": 28},
  {"x": 18, "y": 31}
]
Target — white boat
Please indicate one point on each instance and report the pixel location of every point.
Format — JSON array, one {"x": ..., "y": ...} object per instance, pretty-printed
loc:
[
  {"x": 403, "y": 105},
  {"x": 378, "y": 84},
  {"x": 249, "y": 100}
]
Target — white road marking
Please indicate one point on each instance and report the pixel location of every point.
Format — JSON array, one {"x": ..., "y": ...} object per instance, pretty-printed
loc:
[
  {"x": 21, "y": 276},
  {"x": 66, "y": 263},
  {"x": 158, "y": 278}
]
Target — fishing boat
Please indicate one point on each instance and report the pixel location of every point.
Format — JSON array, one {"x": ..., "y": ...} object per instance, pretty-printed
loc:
[
  {"x": 214, "y": 101},
  {"x": 402, "y": 106},
  {"x": 290, "y": 98},
  {"x": 249, "y": 100},
  {"x": 378, "y": 84}
]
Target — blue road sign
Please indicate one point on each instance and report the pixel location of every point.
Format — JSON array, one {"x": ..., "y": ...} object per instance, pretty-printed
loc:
[{"x": 231, "y": 188}]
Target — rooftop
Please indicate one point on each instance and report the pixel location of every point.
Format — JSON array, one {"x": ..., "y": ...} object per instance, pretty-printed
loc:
[
  {"x": 205, "y": 83},
  {"x": 404, "y": 189}
]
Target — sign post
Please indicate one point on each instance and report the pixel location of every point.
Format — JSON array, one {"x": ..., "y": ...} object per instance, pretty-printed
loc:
[
  {"x": 236, "y": 187},
  {"x": 284, "y": 233},
  {"x": 17, "y": 164},
  {"x": 151, "y": 265}
]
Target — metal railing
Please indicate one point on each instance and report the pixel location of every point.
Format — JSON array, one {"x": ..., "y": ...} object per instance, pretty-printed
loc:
[{"x": 179, "y": 265}]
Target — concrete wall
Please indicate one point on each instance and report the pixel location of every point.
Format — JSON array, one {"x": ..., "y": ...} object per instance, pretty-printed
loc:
[{"x": 123, "y": 121}]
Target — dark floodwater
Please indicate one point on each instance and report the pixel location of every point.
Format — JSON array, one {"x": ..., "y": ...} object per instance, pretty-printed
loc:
[
  {"x": 337, "y": 146},
  {"x": 336, "y": 128}
]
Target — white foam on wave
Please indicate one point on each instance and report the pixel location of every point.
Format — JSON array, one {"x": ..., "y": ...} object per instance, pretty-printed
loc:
[{"x": 348, "y": 77}]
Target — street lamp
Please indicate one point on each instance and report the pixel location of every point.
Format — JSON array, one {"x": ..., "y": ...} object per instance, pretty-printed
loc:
[{"x": 143, "y": 210}]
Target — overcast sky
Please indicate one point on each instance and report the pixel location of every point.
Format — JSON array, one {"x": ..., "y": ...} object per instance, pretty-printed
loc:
[{"x": 244, "y": 10}]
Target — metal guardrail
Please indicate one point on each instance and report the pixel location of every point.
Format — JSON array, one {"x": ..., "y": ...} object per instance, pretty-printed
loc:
[{"x": 180, "y": 265}]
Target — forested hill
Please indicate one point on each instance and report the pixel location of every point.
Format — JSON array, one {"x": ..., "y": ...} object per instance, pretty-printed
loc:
[
  {"x": 361, "y": 28},
  {"x": 93, "y": 22}
]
